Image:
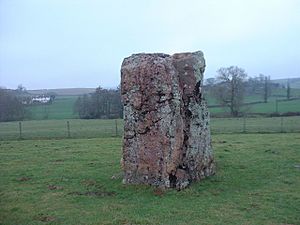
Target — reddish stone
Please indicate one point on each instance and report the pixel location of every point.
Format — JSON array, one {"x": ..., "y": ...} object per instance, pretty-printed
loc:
[{"x": 166, "y": 132}]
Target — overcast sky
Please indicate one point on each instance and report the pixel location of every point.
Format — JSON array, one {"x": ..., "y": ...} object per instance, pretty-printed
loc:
[{"x": 81, "y": 43}]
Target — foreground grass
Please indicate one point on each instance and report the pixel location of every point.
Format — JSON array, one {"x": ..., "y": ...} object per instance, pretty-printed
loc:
[{"x": 70, "y": 182}]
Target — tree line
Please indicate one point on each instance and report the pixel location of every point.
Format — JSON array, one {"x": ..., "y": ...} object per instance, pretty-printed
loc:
[
  {"x": 101, "y": 104},
  {"x": 11, "y": 107}
]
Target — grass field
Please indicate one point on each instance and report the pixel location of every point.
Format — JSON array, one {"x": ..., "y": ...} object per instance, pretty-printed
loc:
[
  {"x": 294, "y": 82},
  {"x": 269, "y": 107},
  {"x": 283, "y": 107},
  {"x": 70, "y": 182},
  {"x": 49, "y": 129},
  {"x": 61, "y": 108}
]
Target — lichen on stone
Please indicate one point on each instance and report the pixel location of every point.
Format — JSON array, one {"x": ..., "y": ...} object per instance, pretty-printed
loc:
[{"x": 167, "y": 140}]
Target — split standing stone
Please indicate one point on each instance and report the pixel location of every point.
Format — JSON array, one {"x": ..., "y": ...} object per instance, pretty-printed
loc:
[{"x": 167, "y": 140}]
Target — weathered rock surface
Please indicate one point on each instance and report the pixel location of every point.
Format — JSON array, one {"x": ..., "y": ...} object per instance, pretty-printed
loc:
[{"x": 167, "y": 139}]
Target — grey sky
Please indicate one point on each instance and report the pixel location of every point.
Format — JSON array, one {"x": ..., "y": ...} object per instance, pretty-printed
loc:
[{"x": 81, "y": 43}]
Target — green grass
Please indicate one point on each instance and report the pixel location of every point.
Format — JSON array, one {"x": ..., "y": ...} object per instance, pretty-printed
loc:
[
  {"x": 283, "y": 107},
  {"x": 49, "y": 129},
  {"x": 61, "y": 108},
  {"x": 269, "y": 107},
  {"x": 255, "y": 125},
  {"x": 37, "y": 129},
  {"x": 294, "y": 82},
  {"x": 69, "y": 182}
]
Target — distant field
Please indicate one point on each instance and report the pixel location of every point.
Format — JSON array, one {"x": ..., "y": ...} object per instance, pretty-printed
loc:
[
  {"x": 79, "y": 181},
  {"x": 278, "y": 93},
  {"x": 294, "y": 82},
  {"x": 288, "y": 106},
  {"x": 63, "y": 91},
  {"x": 61, "y": 108},
  {"x": 269, "y": 107},
  {"x": 48, "y": 129}
]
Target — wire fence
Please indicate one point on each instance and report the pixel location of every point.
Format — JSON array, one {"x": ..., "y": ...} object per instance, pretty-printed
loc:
[{"x": 59, "y": 129}]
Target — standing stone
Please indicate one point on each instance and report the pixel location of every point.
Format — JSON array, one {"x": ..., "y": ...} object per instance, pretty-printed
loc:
[{"x": 167, "y": 139}]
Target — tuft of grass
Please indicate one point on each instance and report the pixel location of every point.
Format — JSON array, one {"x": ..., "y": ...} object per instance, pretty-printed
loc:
[{"x": 74, "y": 181}]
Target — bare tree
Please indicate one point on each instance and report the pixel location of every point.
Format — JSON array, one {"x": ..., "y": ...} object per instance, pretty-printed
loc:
[
  {"x": 288, "y": 90},
  {"x": 267, "y": 89},
  {"x": 210, "y": 82},
  {"x": 230, "y": 89}
]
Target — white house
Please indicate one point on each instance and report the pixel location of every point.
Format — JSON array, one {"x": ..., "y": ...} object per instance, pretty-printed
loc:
[{"x": 40, "y": 99}]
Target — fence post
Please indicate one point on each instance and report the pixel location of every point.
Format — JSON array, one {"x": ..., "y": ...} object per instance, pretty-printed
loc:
[
  {"x": 20, "y": 130},
  {"x": 281, "y": 124},
  {"x": 116, "y": 123},
  {"x": 244, "y": 125},
  {"x": 68, "y": 128}
]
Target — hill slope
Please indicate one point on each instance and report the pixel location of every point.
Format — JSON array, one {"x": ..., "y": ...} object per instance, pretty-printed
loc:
[
  {"x": 63, "y": 91},
  {"x": 294, "y": 82}
]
